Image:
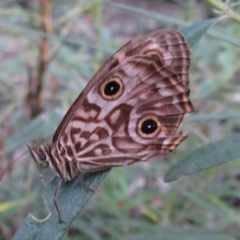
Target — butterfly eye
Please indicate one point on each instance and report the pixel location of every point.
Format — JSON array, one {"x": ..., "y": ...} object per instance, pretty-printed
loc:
[
  {"x": 42, "y": 155},
  {"x": 112, "y": 89},
  {"x": 148, "y": 126},
  {"x": 42, "y": 159}
]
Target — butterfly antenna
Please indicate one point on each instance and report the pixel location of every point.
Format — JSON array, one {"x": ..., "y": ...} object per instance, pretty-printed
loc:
[{"x": 10, "y": 165}]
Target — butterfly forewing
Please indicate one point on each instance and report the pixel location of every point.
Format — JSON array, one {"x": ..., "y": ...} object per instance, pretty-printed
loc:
[{"x": 131, "y": 109}]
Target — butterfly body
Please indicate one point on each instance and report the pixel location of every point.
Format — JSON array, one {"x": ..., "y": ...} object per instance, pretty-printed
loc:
[{"x": 129, "y": 112}]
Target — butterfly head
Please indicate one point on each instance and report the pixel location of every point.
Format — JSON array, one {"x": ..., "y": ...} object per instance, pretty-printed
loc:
[{"x": 40, "y": 155}]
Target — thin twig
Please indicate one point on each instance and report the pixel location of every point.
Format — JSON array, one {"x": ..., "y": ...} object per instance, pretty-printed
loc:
[{"x": 35, "y": 87}]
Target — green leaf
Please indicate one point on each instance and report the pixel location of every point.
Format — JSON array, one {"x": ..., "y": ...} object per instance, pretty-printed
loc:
[
  {"x": 71, "y": 199},
  {"x": 205, "y": 157},
  {"x": 194, "y": 33}
]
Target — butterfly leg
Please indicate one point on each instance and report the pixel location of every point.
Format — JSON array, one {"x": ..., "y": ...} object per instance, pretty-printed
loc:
[
  {"x": 45, "y": 176},
  {"x": 85, "y": 185},
  {"x": 55, "y": 200}
]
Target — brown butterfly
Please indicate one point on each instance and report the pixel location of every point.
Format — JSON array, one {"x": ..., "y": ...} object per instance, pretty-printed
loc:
[{"x": 129, "y": 112}]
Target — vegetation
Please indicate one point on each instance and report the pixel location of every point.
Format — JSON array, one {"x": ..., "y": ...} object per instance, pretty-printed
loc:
[{"x": 48, "y": 52}]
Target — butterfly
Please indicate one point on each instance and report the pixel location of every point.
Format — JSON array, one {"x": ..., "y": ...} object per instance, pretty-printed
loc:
[{"x": 129, "y": 112}]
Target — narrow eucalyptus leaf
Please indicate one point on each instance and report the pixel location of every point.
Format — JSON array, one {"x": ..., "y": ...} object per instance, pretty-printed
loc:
[
  {"x": 71, "y": 199},
  {"x": 205, "y": 157},
  {"x": 196, "y": 31}
]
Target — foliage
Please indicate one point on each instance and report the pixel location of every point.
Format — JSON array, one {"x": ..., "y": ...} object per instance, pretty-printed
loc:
[{"x": 132, "y": 202}]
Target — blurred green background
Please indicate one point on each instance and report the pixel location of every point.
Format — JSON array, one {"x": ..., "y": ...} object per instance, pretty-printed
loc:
[{"x": 132, "y": 202}]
